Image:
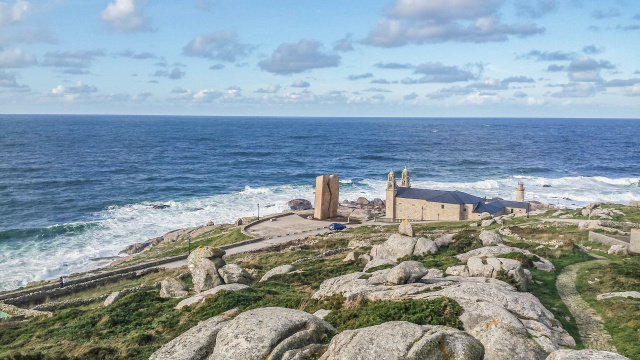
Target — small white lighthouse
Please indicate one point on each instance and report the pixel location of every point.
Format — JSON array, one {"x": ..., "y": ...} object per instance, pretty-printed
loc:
[{"x": 520, "y": 192}]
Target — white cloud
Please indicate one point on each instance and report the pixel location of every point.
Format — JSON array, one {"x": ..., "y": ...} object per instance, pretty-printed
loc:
[
  {"x": 271, "y": 89},
  {"x": 298, "y": 57},
  {"x": 71, "y": 93},
  {"x": 221, "y": 45},
  {"x": 14, "y": 58},
  {"x": 633, "y": 90},
  {"x": 420, "y": 22},
  {"x": 126, "y": 15},
  {"x": 12, "y": 14},
  {"x": 532, "y": 101},
  {"x": 576, "y": 90},
  {"x": 300, "y": 84}
]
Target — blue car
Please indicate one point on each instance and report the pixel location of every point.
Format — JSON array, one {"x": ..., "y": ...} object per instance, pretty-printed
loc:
[{"x": 337, "y": 226}]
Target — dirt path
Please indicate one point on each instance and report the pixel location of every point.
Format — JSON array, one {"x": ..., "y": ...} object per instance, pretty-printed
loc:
[{"x": 594, "y": 336}]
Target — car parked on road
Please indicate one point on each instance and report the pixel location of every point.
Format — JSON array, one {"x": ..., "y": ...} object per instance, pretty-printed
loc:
[{"x": 337, "y": 226}]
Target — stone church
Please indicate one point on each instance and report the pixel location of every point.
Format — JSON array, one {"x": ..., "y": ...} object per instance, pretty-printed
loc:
[{"x": 409, "y": 203}]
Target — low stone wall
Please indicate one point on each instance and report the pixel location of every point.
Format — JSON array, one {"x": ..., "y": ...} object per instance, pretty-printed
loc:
[
  {"x": 40, "y": 296},
  {"x": 605, "y": 239}
]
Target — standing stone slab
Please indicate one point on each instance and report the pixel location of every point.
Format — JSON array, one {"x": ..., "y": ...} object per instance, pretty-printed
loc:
[
  {"x": 327, "y": 197},
  {"x": 203, "y": 263},
  {"x": 405, "y": 228}
]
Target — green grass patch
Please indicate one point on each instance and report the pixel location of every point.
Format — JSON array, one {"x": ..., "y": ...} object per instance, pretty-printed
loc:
[
  {"x": 621, "y": 316},
  {"x": 441, "y": 311}
]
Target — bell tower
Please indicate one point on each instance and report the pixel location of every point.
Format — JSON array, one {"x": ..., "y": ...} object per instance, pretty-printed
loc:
[
  {"x": 392, "y": 190},
  {"x": 405, "y": 179}
]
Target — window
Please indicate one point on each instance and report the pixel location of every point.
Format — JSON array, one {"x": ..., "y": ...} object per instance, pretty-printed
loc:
[
  {"x": 442, "y": 206},
  {"x": 512, "y": 211}
]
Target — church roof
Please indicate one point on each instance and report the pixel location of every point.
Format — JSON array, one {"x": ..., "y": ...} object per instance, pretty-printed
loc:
[{"x": 441, "y": 196}]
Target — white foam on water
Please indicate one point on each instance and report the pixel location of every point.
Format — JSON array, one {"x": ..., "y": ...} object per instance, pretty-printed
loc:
[{"x": 119, "y": 226}]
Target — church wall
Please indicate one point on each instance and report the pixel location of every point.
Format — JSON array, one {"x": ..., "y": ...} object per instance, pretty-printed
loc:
[
  {"x": 510, "y": 210},
  {"x": 416, "y": 209}
]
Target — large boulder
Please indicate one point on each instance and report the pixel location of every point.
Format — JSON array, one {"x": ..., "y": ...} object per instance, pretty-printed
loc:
[
  {"x": 424, "y": 246},
  {"x": 490, "y": 268},
  {"x": 352, "y": 256},
  {"x": 234, "y": 274},
  {"x": 361, "y": 214},
  {"x": 406, "y": 272},
  {"x": 490, "y": 238},
  {"x": 403, "y": 340},
  {"x": 113, "y": 297},
  {"x": 444, "y": 240},
  {"x": 495, "y": 251},
  {"x": 194, "y": 344},
  {"x": 362, "y": 201},
  {"x": 378, "y": 262},
  {"x": 172, "y": 288},
  {"x": 203, "y": 263},
  {"x": 405, "y": 228},
  {"x": 377, "y": 202},
  {"x": 619, "y": 249},
  {"x": 268, "y": 333},
  {"x": 482, "y": 299},
  {"x": 396, "y": 247},
  {"x": 487, "y": 222},
  {"x": 201, "y": 297},
  {"x": 504, "y": 342},
  {"x": 300, "y": 204},
  {"x": 278, "y": 270},
  {"x": 585, "y": 355}
]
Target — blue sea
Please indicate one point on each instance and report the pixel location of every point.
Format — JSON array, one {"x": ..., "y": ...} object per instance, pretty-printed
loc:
[{"x": 74, "y": 188}]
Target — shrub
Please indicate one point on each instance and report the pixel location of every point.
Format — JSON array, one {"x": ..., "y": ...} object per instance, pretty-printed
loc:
[{"x": 465, "y": 241}]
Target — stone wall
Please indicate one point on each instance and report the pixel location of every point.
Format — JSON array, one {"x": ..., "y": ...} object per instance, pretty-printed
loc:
[
  {"x": 417, "y": 209},
  {"x": 605, "y": 240},
  {"x": 327, "y": 197}
]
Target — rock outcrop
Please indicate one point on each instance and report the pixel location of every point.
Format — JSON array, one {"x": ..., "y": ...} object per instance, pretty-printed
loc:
[
  {"x": 396, "y": 247},
  {"x": 585, "y": 355},
  {"x": 300, "y": 204},
  {"x": 201, "y": 297},
  {"x": 406, "y": 272},
  {"x": 172, "y": 288},
  {"x": 495, "y": 251},
  {"x": 234, "y": 274},
  {"x": 358, "y": 243},
  {"x": 403, "y": 340},
  {"x": 194, "y": 344},
  {"x": 425, "y": 246},
  {"x": 490, "y": 268},
  {"x": 622, "y": 250},
  {"x": 489, "y": 238},
  {"x": 203, "y": 263},
  {"x": 624, "y": 294},
  {"x": 483, "y": 300},
  {"x": 278, "y": 270},
  {"x": 268, "y": 333}
]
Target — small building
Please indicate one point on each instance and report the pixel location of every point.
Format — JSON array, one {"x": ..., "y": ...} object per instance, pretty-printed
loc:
[{"x": 409, "y": 203}]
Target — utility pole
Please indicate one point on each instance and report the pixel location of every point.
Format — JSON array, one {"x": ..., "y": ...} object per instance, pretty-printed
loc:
[{"x": 258, "y": 211}]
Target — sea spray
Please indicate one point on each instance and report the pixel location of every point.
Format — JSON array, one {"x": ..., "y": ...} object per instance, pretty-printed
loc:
[{"x": 45, "y": 253}]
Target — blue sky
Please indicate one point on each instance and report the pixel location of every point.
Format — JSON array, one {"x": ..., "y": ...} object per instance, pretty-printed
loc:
[{"x": 528, "y": 58}]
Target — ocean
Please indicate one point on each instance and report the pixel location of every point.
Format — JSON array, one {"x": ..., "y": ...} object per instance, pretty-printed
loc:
[{"x": 74, "y": 188}]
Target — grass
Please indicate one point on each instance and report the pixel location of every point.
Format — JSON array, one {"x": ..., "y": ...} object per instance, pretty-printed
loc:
[
  {"x": 441, "y": 311},
  {"x": 621, "y": 316}
]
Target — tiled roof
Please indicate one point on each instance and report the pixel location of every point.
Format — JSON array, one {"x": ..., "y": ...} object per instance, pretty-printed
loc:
[{"x": 459, "y": 197}]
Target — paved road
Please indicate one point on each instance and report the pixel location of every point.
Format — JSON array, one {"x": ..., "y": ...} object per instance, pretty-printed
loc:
[{"x": 592, "y": 331}]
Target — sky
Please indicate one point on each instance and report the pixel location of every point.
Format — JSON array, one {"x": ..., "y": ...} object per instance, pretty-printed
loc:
[{"x": 405, "y": 58}]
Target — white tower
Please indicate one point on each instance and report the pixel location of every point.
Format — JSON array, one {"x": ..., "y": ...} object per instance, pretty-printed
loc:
[{"x": 520, "y": 192}]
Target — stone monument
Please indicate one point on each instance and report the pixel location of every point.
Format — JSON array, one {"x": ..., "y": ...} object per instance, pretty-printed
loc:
[
  {"x": 634, "y": 243},
  {"x": 327, "y": 197}
]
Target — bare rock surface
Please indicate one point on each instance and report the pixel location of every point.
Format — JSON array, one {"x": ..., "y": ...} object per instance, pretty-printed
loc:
[
  {"x": 444, "y": 240},
  {"x": 495, "y": 251},
  {"x": 585, "y": 355},
  {"x": 406, "y": 272},
  {"x": 268, "y": 333},
  {"x": 194, "y": 344},
  {"x": 378, "y": 262},
  {"x": 619, "y": 250},
  {"x": 234, "y": 274},
  {"x": 490, "y": 238},
  {"x": 625, "y": 294},
  {"x": 403, "y": 340},
  {"x": 278, "y": 270},
  {"x": 352, "y": 256},
  {"x": 201, "y": 297},
  {"x": 425, "y": 246},
  {"x": 483, "y": 299},
  {"x": 172, "y": 288},
  {"x": 203, "y": 263},
  {"x": 396, "y": 247},
  {"x": 358, "y": 243},
  {"x": 504, "y": 342},
  {"x": 490, "y": 268},
  {"x": 300, "y": 204}
]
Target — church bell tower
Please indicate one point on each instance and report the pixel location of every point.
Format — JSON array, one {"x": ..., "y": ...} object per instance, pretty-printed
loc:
[
  {"x": 405, "y": 183},
  {"x": 392, "y": 190}
]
